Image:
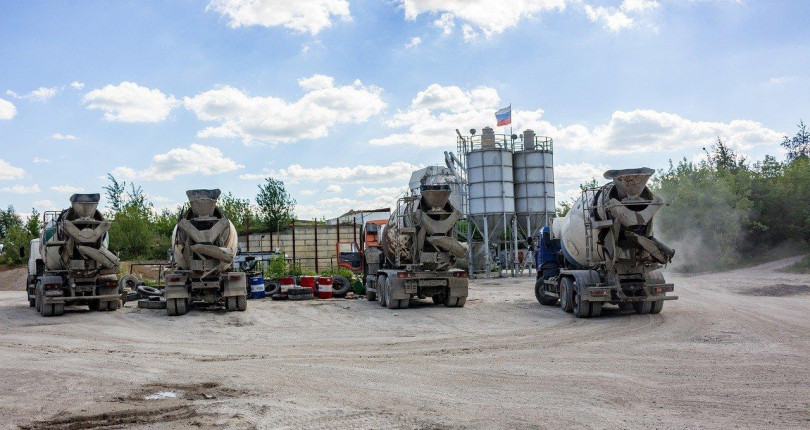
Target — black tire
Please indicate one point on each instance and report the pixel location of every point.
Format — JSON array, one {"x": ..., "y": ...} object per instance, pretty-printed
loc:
[
  {"x": 58, "y": 309},
  {"x": 230, "y": 304},
  {"x": 566, "y": 294},
  {"x": 596, "y": 309},
  {"x": 112, "y": 305},
  {"x": 452, "y": 302},
  {"x": 152, "y": 304},
  {"x": 371, "y": 295},
  {"x": 171, "y": 307},
  {"x": 626, "y": 306},
  {"x": 582, "y": 308},
  {"x": 46, "y": 310},
  {"x": 94, "y": 304},
  {"x": 32, "y": 303},
  {"x": 128, "y": 282},
  {"x": 148, "y": 291},
  {"x": 182, "y": 306},
  {"x": 38, "y": 300},
  {"x": 340, "y": 286},
  {"x": 438, "y": 299},
  {"x": 241, "y": 303},
  {"x": 642, "y": 307},
  {"x": 461, "y": 302},
  {"x": 381, "y": 285},
  {"x": 540, "y": 294},
  {"x": 657, "y": 307},
  {"x": 272, "y": 287},
  {"x": 278, "y": 297}
]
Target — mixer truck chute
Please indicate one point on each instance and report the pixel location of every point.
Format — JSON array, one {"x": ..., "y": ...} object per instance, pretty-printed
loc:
[
  {"x": 204, "y": 244},
  {"x": 69, "y": 264},
  {"x": 603, "y": 250},
  {"x": 417, "y": 253}
]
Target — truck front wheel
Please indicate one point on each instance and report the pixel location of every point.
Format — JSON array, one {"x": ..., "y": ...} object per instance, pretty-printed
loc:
[{"x": 540, "y": 293}]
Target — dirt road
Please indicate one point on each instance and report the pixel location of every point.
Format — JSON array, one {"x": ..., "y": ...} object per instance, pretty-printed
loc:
[{"x": 731, "y": 353}]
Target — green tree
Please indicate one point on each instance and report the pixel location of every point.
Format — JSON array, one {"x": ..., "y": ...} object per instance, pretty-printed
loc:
[
  {"x": 798, "y": 146},
  {"x": 34, "y": 223},
  {"x": 116, "y": 192},
  {"x": 238, "y": 211},
  {"x": 275, "y": 204}
]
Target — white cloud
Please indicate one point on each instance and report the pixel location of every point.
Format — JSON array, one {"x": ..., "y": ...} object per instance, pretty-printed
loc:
[
  {"x": 205, "y": 160},
  {"x": 446, "y": 22},
  {"x": 307, "y": 192},
  {"x": 334, "y": 188},
  {"x": 414, "y": 42},
  {"x": 490, "y": 16},
  {"x": 335, "y": 206},
  {"x": 612, "y": 19},
  {"x": 271, "y": 119},
  {"x": 44, "y": 204},
  {"x": 7, "y": 109},
  {"x": 437, "y": 111},
  {"x": 40, "y": 94},
  {"x": 396, "y": 171},
  {"x": 468, "y": 33},
  {"x": 8, "y": 172},
  {"x": 67, "y": 189},
  {"x": 639, "y": 5},
  {"x": 387, "y": 192},
  {"x": 41, "y": 160},
  {"x": 130, "y": 102},
  {"x": 22, "y": 189},
  {"x": 60, "y": 136},
  {"x": 781, "y": 80},
  {"x": 310, "y": 16},
  {"x": 76, "y": 85}
]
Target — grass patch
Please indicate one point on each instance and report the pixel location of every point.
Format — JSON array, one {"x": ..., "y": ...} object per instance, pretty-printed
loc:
[{"x": 802, "y": 266}]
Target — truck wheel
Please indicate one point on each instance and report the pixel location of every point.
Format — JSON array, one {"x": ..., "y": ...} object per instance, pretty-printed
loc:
[
  {"x": 452, "y": 302},
  {"x": 112, "y": 305},
  {"x": 94, "y": 304},
  {"x": 46, "y": 310},
  {"x": 657, "y": 307},
  {"x": 340, "y": 286},
  {"x": 58, "y": 309},
  {"x": 540, "y": 293},
  {"x": 241, "y": 303},
  {"x": 391, "y": 303},
  {"x": 461, "y": 302},
  {"x": 596, "y": 309},
  {"x": 438, "y": 299},
  {"x": 38, "y": 300},
  {"x": 371, "y": 295},
  {"x": 182, "y": 306},
  {"x": 381, "y": 281},
  {"x": 582, "y": 308},
  {"x": 171, "y": 307},
  {"x": 642, "y": 307},
  {"x": 566, "y": 292},
  {"x": 626, "y": 306},
  {"x": 32, "y": 303},
  {"x": 230, "y": 304}
]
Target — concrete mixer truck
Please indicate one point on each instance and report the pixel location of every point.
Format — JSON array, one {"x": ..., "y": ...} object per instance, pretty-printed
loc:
[
  {"x": 603, "y": 250},
  {"x": 69, "y": 264},
  {"x": 418, "y": 253},
  {"x": 204, "y": 245}
]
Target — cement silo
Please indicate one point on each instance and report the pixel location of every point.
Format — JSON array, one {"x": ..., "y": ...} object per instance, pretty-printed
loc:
[
  {"x": 533, "y": 161},
  {"x": 491, "y": 190}
]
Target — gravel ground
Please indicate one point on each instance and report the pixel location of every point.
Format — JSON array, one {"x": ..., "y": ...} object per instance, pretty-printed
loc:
[{"x": 731, "y": 353}]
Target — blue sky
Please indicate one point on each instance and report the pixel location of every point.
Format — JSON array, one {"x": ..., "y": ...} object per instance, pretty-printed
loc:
[{"x": 341, "y": 99}]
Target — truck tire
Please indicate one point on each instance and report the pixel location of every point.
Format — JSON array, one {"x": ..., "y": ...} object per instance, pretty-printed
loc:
[
  {"x": 94, "y": 304},
  {"x": 582, "y": 308},
  {"x": 371, "y": 295},
  {"x": 461, "y": 302},
  {"x": 111, "y": 305},
  {"x": 566, "y": 292},
  {"x": 540, "y": 293},
  {"x": 657, "y": 307},
  {"x": 241, "y": 303},
  {"x": 438, "y": 299},
  {"x": 58, "y": 309},
  {"x": 46, "y": 310},
  {"x": 38, "y": 299},
  {"x": 340, "y": 286},
  {"x": 596, "y": 309},
  {"x": 176, "y": 307},
  {"x": 148, "y": 291},
  {"x": 129, "y": 282},
  {"x": 382, "y": 281},
  {"x": 455, "y": 302},
  {"x": 32, "y": 303},
  {"x": 642, "y": 307},
  {"x": 230, "y": 304},
  {"x": 272, "y": 287}
]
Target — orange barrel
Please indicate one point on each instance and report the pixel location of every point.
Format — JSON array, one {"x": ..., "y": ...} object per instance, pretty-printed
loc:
[
  {"x": 325, "y": 287},
  {"x": 308, "y": 282},
  {"x": 286, "y": 282}
]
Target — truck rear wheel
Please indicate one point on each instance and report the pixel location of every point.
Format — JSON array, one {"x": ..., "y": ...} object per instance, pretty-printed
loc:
[
  {"x": 230, "y": 304},
  {"x": 455, "y": 302},
  {"x": 32, "y": 303},
  {"x": 642, "y": 307},
  {"x": 596, "y": 309},
  {"x": 582, "y": 308},
  {"x": 58, "y": 309},
  {"x": 241, "y": 303},
  {"x": 110, "y": 305},
  {"x": 566, "y": 292},
  {"x": 461, "y": 302},
  {"x": 94, "y": 304},
  {"x": 540, "y": 293},
  {"x": 381, "y": 290},
  {"x": 175, "y": 307},
  {"x": 657, "y": 307},
  {"x": 438, "y": 299}
]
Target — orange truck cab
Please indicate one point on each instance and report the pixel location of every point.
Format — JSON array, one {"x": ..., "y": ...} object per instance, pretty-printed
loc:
[{"x": 351, "y": 256}]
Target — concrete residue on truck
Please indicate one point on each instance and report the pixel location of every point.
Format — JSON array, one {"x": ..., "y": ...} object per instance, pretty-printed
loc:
[
  {"x": 417, "y": 252},
  {"x": 204, "y": 245},
  {"x": 603, "y": 250},
  {"x": 69, "y": 264}
]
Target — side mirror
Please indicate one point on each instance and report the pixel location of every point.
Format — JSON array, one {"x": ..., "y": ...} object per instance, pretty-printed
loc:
[{"x": 22, "y": 253}]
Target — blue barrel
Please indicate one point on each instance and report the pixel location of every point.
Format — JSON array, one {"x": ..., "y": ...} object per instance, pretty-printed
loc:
[{"x": 257, "y": 287}]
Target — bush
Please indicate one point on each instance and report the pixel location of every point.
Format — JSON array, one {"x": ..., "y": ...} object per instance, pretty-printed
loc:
[{"x": 338, "y": 271}]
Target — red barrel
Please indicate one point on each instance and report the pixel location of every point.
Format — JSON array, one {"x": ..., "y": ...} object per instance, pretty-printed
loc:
[
  {"x": 308, "y": 282},
  {"x": 325, "y": 287},
  {"x": 286, "y": 282}
]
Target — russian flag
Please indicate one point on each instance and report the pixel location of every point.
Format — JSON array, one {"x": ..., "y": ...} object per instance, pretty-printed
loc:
[{"x": 504, "y": 116}]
